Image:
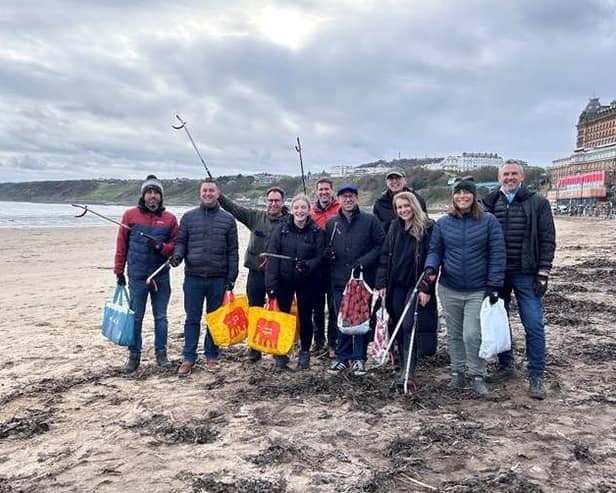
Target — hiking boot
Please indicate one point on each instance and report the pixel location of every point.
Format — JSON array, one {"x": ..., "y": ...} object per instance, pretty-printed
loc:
[
  {"x": 457, "y": 381},
  {"x": 162, "y": 360},
  {"x": 502, "y": 373},
  {"x": 303, "y": 361},
  {"x": 316, "y": 348},
  {"x": 132, "y": 363},
  {"x": 185, "y": 369},
  {"x": 337, "y": 367},
  {"x": 536, "y": 389},
  {"x": 359, "y": 369},
  {"x": 478, "y": 385},
  {"x": 254, "y": 355},
  {"x": 281, "y": 364}
]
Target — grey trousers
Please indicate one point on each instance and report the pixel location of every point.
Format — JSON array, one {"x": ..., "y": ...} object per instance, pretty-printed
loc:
[{"x": 462, "y": 310}]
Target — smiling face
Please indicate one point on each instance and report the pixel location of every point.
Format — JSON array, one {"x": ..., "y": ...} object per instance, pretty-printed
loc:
[
  {"x": 348, "y": 201},
  {"x": 404, "y": 209},
  {"x": 510, "y": 177},
  {"x": 325, "y": 193},
  {"x": 463, "y": 200},
  {"x": 300, "y": 210},
  {"x": 152, "y": 198},
  {"x": 274, "y": 203},
  {"x": 209, "y": 194},
  {"x": 395, "y": 183}
]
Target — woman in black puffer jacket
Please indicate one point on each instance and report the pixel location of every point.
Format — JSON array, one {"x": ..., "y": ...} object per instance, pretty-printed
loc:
[
  {"x": 400, "y": 266},
  {"x": 299, "y": 238}
]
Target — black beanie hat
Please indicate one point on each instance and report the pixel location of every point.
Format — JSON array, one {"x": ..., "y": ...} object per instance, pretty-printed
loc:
[{"x": 466, "y": 183}]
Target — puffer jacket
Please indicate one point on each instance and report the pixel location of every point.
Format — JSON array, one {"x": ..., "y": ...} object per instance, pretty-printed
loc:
[
  {"x": 321, "y": 215},
  {"x": 470, "y": 252},
  {"x": 384, "y": 207},
  {"x": 208, "y": 243},
  {"x": 260, "y": 225},
  {"x": 355, "y": 242},
  {"x": 302, "y": 244},
  {"x": 528, "y": 226},
  {"x": 131, "y": 247}
]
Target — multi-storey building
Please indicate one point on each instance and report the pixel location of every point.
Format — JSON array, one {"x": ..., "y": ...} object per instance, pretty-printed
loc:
[{"x": 467, "y": 161}]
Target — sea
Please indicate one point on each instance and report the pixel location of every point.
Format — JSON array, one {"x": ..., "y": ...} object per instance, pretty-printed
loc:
[{"x": 39, "y": 215}]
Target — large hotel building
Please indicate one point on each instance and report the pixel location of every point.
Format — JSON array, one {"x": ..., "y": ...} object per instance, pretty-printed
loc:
[{"x": 589, "y": 174}]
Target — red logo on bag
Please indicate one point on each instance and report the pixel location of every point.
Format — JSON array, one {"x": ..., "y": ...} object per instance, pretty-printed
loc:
[
  {"x": 266, "y": 333},
  {"x": 236, "y": 321}
]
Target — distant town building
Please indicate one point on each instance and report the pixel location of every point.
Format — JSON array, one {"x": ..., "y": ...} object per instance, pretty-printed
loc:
[
  {"x": 343, "y": 170},
  {"x": 467, "y": 161},
  {"x": 589, "y": 174},
  {"x": 266, "y": 178}
]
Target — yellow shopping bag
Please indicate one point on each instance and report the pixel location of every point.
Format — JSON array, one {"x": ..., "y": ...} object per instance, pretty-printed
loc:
[
  {"x": 228, "y": 324},
  {"x": 270, "y": 330}
]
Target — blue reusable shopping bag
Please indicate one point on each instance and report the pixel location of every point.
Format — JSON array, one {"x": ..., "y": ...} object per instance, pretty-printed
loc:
[{"x": 119, "y": 319}]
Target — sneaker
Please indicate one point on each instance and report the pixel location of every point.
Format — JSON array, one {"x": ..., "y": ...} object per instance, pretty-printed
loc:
[
  {"x": 502, "y": 373},
  {"x": 254, "y": 355},
  {"x": 162, "y": 360},
  {"x": 303, "y": 361},
  {"x": 185, "y": 369},
  {"x": 337, "y": 367},
  {"x": 359, "y": 369},
  {"x": 457, "y": 381},
  {"x": 132, "y": 363},
  {"x": 478, "y": 385},
  {"x": 536, "y": 389}
]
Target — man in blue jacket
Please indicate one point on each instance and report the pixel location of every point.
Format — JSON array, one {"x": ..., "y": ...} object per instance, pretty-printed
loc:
[
  {"x": 208, "y": 243},
  {"x": 355, "y": 239},
  {"x": 530, "y": 238}
]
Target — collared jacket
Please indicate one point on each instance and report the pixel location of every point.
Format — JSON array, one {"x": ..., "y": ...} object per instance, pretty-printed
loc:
[
  {"x": 132, "y": 248},
  {"x": 321, "y": 215},
  {"x": 469, "y": 251},
  {"x": 384, "y": 206},
  {"x": 304, "y": 244},
  {"x": 528, "y": 226},
  {"x": 208, "y": 243},
  {"x": 355, "y": 242},
  {"x": 260, "y": 224}
]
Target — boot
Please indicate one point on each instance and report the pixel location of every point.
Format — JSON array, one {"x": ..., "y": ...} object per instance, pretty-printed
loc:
[
  {"x": 457, "y": 381},
  {"x": 502, "y": 373},
  {"x": 131, "y": 364},
  {"x": 303, "y": 361},
  {"x": 478, "y": 385},
  {"x": 185, "y": 369},
  {"x": 254, "y": 355},
  {"x": 281, "y": 364},
  {"x": 536, "y": 389},
  {"x": 162, "y": 360}
]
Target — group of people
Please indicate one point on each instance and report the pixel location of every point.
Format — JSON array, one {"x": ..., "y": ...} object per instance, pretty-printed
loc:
[{"x": 490, "y": 249}]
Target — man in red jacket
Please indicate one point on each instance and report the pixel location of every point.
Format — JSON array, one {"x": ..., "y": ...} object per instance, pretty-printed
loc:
[
  {"x": 325, "y": 206},
  {"x": 145, "y": 247}
]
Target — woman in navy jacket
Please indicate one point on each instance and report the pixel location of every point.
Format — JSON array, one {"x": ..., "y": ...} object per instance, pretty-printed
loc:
[
  {"x": 468, "y": 247},
  {"x": 298, "y": 237}
]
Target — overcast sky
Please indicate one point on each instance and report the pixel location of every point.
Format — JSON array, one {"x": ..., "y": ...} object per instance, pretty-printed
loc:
[{"x": 90, "y": 89}]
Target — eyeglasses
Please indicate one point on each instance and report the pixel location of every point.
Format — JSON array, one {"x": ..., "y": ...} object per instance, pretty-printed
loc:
[{"x": 271, "y": 201}]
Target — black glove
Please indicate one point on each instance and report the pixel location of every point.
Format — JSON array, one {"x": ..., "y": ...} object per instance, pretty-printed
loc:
[
  {"x": 121, "y": 279},
  {"x": 357, "y": 267},
  {"x": 541, "y": 285},
  {"x": 425, "y": 286},
  {"x": 157, "y": 246},
  {"x": 271, "y": 294},
  {"x": 301, "y": 266},
  {"x": 175, "y": 260},
  {"x": 330, "y": 254},
  {"x": 492, "y": 294},
  {"x": 229, "y": 286}
]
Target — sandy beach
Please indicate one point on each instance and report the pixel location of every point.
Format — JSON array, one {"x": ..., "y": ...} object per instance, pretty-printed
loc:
[{"x": 70, "y": 422}]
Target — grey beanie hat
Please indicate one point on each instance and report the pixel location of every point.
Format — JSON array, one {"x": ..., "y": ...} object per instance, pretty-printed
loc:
[{"x": 151, "y": 182}]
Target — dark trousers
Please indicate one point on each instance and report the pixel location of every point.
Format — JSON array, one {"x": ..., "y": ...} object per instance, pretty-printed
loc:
[
  {"x": 306, "y": 293},
  {"x": 324, "y": 295},
  {"x": 255, "y": 288},
  {"x": 398, "y": 296}
]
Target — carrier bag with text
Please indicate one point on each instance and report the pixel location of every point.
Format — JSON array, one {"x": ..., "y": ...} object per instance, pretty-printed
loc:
[
  {"x": 270, "y": 330},
  {"x": 228, "y": 324},
  {"x": 119, "y": 319}
]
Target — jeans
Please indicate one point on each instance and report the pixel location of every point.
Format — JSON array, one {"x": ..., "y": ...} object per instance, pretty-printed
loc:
[
  {"x": 530, "y": 307},
  {"x": 462, "y": 309},
  {"x": 349, "y": 348},
  {"x": 255, "y": 288},
  {"x": 196, "y": 290},
  {"x": 159, "y": 300},
  {"x": 324, "y": 295}
]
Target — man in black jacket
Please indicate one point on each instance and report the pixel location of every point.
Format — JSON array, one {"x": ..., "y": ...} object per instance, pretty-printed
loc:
[
  {"x": 355, "y": 239},
  {"x": 208, "y": 243},
  {"x": 383, "y": 209},
  {"x": 530, "y": 241}
]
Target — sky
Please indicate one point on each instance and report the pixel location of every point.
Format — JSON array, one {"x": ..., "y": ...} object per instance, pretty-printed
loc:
[{"x": 90, "y": 89}]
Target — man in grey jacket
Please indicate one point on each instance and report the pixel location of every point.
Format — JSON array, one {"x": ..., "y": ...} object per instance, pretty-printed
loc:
[
  {"x": 207, "y": 242},
  {"x": 261, "y": 223}
]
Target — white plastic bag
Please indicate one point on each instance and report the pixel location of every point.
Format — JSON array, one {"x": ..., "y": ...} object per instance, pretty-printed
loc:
[{"x": 495, "y": 335}]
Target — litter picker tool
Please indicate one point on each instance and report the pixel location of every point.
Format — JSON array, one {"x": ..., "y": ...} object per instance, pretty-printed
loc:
[
  {"x": 409, "y": 355},
  {"x": 86, "y": 209},
  {"x": 149, "y": 280},
  {"x": 278, "y": 256},
  {"x": 181, "y": 126},
  {"x": 298, "y": 148}
]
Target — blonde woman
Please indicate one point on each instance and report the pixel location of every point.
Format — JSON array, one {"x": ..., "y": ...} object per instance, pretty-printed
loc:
[{"x": 401, "y": 264}]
